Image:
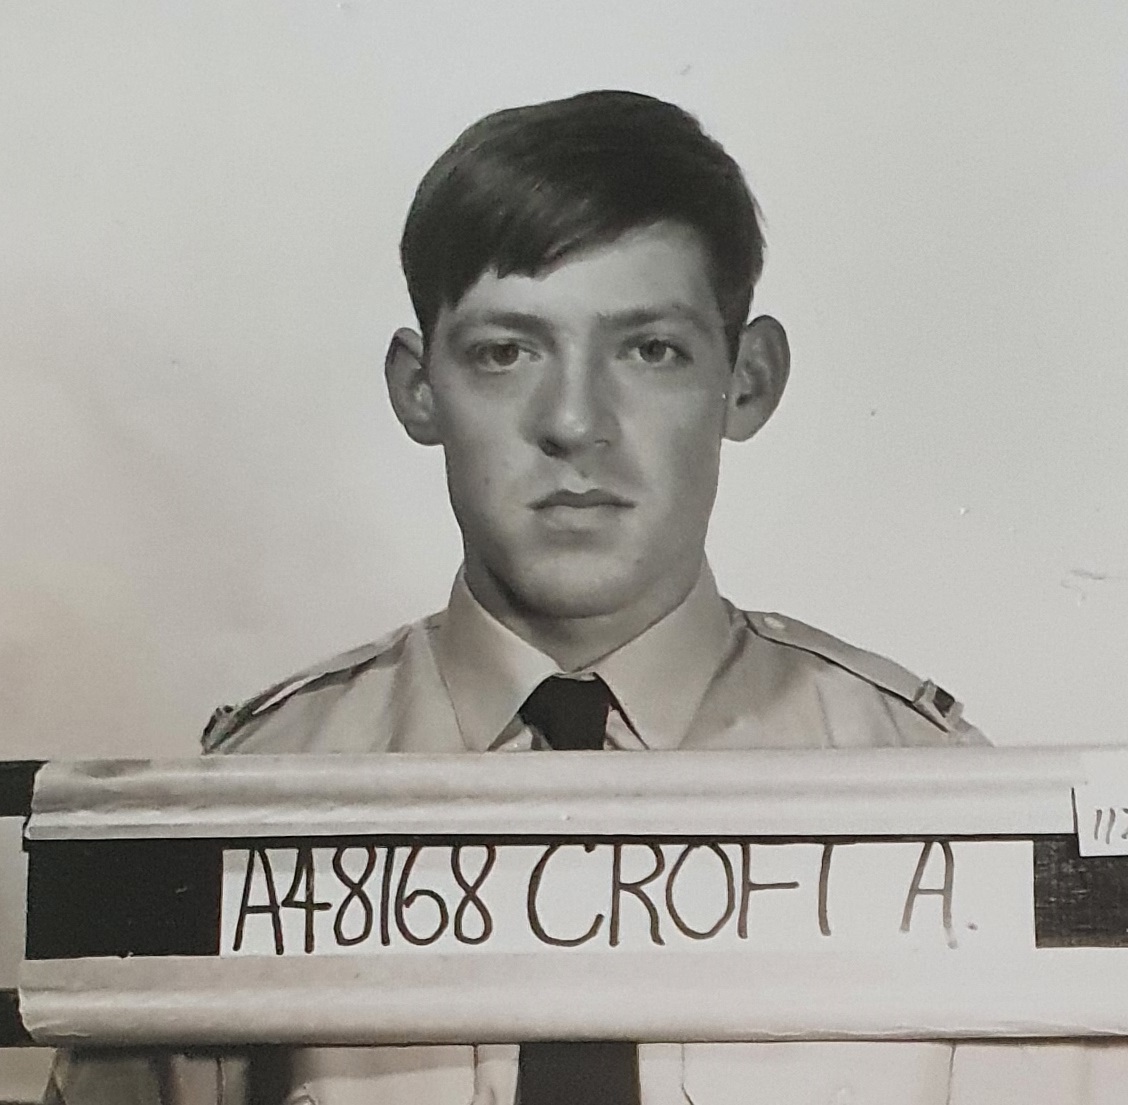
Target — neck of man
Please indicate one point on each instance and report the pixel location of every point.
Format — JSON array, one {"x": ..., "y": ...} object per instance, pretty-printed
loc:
[{"x": 574, "y": 643}]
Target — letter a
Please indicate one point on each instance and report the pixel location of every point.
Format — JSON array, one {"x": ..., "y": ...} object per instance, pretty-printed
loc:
[
  {"x": 269, "y": 906},
  {"x": 944, "y": 891}
]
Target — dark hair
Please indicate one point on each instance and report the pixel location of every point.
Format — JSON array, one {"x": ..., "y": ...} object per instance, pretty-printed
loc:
[{"x": 524, "y": 187}]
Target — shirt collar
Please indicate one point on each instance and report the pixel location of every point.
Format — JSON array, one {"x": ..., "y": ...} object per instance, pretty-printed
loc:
[{"x": 659, "y": 678}]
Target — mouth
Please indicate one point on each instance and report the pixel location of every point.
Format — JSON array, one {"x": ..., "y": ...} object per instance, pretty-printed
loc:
[{"x": 581, "y": 500}]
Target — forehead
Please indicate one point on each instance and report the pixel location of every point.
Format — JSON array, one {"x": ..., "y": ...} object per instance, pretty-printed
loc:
[{"x": 646, "y": 269}]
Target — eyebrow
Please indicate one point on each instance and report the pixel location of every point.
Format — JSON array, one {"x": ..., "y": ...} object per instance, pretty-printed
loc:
[
  {"x": 645, "y": 316},
  {"x": 504, "y": 320},
  {"x": 614, "y": 320}
]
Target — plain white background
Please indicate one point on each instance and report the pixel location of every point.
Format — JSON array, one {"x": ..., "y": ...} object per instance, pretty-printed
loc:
[{"x": 202, "y": 487}]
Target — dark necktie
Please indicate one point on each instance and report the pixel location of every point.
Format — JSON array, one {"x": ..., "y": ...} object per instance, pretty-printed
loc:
[{"x": 572, "y": 714}]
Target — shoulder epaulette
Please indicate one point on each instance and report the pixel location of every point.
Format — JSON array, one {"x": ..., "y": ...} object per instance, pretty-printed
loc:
[
  {"x": 227, "y": 720},
  {"x": 924, "y": 696}
]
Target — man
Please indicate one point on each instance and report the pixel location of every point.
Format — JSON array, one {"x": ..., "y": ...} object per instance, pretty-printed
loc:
[{"x": 582, "y": 273}]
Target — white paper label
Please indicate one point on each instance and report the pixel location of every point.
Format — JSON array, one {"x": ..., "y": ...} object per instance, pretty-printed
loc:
[
  {"x": 1101, "y": 805},
  {"x": 374, "y": 899}
]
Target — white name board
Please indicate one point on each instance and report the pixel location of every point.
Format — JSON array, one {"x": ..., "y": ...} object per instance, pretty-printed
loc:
[
  {"x": 361, "y": 898},
  {"x": 927, "y": 894}
]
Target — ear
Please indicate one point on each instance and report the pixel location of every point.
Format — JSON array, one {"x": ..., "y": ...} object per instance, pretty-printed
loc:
[
  {"x": 409, "y": 387},
  {"x": 759, "y": 375}
]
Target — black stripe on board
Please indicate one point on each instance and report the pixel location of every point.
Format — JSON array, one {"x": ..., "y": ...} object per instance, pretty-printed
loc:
[
  {"x": 123, "y": 898},
  {"x": 17, "y": 780},
  {"x": 12, "y": 1031},
  {"x": 1079, "y": 901}
]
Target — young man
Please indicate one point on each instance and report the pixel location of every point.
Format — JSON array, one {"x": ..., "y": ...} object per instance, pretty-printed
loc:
[{"x": 582, "y": 273}]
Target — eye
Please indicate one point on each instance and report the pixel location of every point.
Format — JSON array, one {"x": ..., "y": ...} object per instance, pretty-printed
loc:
[
  {"x": 499, "y": 356},
  {"x": 657, "y": 351}
]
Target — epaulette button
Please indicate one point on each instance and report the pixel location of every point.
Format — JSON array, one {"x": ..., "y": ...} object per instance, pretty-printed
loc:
[
  {"x": 221, "y": 714},
  {"x": 937, "y": 705}
]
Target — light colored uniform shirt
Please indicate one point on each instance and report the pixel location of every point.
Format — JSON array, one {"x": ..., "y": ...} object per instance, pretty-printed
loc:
[{"x": 706, "y": 676}]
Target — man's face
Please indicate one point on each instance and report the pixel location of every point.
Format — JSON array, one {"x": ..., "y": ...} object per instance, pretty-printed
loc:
[{"x": 581, "y": 412}]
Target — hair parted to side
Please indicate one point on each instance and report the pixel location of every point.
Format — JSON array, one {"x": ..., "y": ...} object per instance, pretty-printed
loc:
[{"x": 524, "y": 187}]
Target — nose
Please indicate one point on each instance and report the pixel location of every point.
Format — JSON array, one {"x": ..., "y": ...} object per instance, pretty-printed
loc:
[{"x": 574, "y": 407}]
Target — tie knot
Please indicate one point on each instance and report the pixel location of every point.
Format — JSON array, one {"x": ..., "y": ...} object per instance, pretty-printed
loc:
[{"x": 570, "y": 713}]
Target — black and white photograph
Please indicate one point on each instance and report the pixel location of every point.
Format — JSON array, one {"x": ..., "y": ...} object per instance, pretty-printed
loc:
[{"x": 388, "y": 388}]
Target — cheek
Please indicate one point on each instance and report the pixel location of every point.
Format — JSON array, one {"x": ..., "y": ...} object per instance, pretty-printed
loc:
[
  {"x": 695, "y": 478},
  {"x": 480, "y": 468},
  {"x": 689, "y": 445}
]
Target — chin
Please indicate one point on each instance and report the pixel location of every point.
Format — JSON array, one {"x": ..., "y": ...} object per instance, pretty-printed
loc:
[{"x": 578, "y": 593}]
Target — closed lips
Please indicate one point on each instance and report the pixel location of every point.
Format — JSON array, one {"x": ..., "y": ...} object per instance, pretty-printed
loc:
[{"x": 580, "y": 499}]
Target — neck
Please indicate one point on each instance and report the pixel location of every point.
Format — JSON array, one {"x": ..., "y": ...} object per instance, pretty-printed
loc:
[{"x": 573, "y": 642}]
